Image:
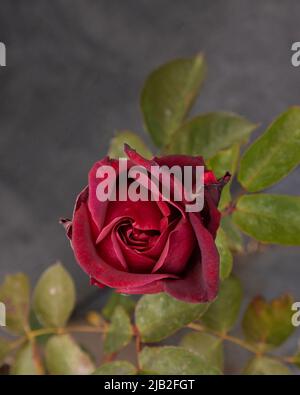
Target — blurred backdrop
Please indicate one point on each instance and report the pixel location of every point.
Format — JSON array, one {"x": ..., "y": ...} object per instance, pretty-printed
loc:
[{"x": 73, "y": 77}]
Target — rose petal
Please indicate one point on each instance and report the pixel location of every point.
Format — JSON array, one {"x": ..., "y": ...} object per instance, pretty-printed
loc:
[
  {"x": 108, "y": 228},
  {"x": 93, "y": 281},
  {"x": 67, "y": 224},
  {"x": 177, "y": 250},
  {"x": 212, "y": 195},
  {"x": 211, "y": 214},
  {"x": 96, "y": 207},
  {"x": 107, "y": 252},
  {"x": 214, "y": 187},
  {"x": 88, "y": 258},
  {"x": 155, "y": 287},
  {"x": 209, "y": 178},
  {"x": 200, "y": 283},
  {"x": 137, "y": 159},
  {"x": 146, "y": 215},
  {"x": 179, "y": 160},
  {"x": 137, "y": 262}
]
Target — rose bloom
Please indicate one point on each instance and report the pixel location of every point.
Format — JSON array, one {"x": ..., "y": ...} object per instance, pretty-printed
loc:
[{"x": 146, "y": 247}]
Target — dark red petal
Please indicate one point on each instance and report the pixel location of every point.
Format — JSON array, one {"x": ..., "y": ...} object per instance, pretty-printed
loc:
[
  {"x": 145, "y": 215},
  {"x": 107, "y": 252},
  {"x": 155, "y": 251},
  {"x": 212, "y": 195},
  {"x": 209, "y": 177},
  {"x": 137, "y": 262},
  {"x": 107, "y": 229},
  {"x": 97, "y": 283},
  {"x": 214, "y": 187},
  {"x": 179, "y": 160},
  {"x": 67, "y": 224},
  {"x": 88, "y": 258},
  {"x": 153, "y": 288},
  {"x": 96, "y": 207},
  {"x": 137, "y": 159},
  {"x": 177, "y": 250},
  {"x": 212, "y": 214},
  {"x": 200, "y": 283}
]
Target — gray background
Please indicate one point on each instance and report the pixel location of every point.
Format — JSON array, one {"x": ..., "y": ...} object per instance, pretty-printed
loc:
[{"x": 75, "y": 69}]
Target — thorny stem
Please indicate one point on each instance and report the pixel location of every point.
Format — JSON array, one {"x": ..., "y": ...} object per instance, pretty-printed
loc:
[
  {"x": 228, "y": 210},
  {"x": 239, "y": 342},
  {"x": 224, "y": 336},
  {"x": 69, "y": 329},
  {"x": 138, "y": 344},
  {"x": 110, "y": 357},
  {"x": 231, "y": 207},
  {"x": 30, "y": 335}
]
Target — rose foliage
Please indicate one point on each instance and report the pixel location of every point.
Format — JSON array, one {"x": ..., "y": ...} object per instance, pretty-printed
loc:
[{"x": 179, "y": 262}]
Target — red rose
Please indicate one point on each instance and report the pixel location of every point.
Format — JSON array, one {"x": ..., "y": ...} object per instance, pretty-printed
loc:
[{"x": 149, "y": 246}]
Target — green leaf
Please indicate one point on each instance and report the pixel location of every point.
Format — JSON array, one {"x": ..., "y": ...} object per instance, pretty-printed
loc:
[
  {"x": 266, "y": 366},
  {"x": 116, "y": 148},
  {"x": 226, "y": 258},
  {"x": 159, "y": 316},
  {"x": 168, "y": 94},
  {"x": 119, "y": 332},
  {"x": 174, "y": 360},
  {"x": 116, "y": 368},
  {"x": 118, "y": 300},
  {"x": 4, "y": 349},
  {"x": 269, "y": 323},
  {"x": 27, "y": 361},
  {"x": 206, "y": 346},
  {"x": 54, "y": 297},
  {"x": 207, "y": 134},
  {"x": 226, "y": 197},
  {"x": 269, "y": 218},
  {"x": 234, "y": 237},
  {"x": 15, "y": 294},
  {"x": 223, "y": 312},
  {"x": 223, "y": 161},
  {"x": 64, "y": 356},
  {"x": 273, "y": 155},
  {"x": 35, "y": 324}
]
